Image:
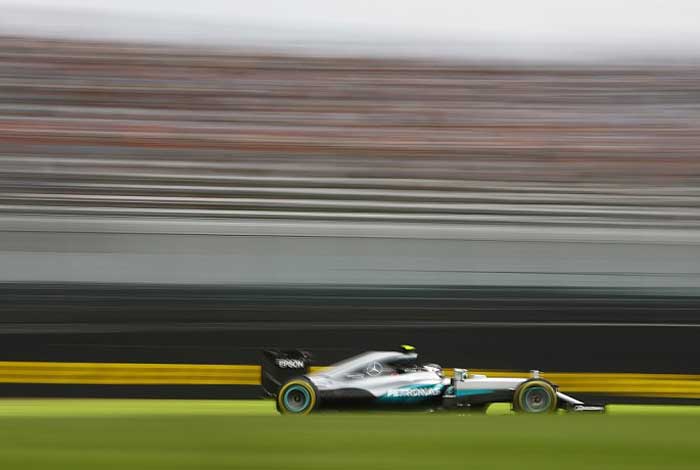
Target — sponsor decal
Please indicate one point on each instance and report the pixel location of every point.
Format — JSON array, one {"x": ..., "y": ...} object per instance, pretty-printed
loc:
[
  {"x": 414, "y": 392},
  {"x": 290, "y": 363}
]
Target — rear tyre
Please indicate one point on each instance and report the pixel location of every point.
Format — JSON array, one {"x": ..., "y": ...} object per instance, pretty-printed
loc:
[
  {"x": 296, "y": 397},
  {"x": 535, "y": 396}
]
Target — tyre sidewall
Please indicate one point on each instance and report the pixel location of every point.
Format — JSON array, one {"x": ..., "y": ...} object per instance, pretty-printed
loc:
[
  {"x": 519, "y": 395},
  {"x": 306, "y": 385}
]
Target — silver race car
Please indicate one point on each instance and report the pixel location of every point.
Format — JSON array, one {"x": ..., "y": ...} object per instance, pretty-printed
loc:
[{"x": 395, "y": 380}]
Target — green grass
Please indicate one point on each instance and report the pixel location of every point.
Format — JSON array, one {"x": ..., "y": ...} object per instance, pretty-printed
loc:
[{"x": 177, "y": 434}]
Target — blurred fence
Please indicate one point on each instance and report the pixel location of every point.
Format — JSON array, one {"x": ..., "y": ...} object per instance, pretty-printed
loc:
[{"x": 117, "y": 186}]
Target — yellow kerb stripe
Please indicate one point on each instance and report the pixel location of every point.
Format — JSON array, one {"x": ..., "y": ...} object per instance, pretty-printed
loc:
[
  {"x": 649, "y": 385},
  {"x": 128, "y": 374}
]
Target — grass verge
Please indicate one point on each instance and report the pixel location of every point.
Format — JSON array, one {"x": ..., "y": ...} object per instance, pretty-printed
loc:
[{"x": 179, "y": 434}]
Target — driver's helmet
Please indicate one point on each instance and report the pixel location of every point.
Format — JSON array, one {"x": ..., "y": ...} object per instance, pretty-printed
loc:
[{"x": 433, "y": 368}]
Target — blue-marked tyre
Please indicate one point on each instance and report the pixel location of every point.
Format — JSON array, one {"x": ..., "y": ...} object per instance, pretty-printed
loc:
[
  {"x": 535, "y": 396},
  {"x": 296, "y": 397}
]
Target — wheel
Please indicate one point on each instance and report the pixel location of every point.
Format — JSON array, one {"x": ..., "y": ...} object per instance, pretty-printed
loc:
[
  {"x": 296, "y": 397},
  {"x": 535, "y": 396}
]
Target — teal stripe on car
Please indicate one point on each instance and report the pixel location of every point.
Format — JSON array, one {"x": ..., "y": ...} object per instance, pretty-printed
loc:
[{"x": 475, "y": 391}]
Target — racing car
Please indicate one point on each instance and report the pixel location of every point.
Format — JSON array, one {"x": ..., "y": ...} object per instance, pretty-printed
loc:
[{"x": 395, "y": 380}]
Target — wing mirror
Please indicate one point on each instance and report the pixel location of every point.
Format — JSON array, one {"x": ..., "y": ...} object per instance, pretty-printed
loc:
[{"x": 460, "y": 375}]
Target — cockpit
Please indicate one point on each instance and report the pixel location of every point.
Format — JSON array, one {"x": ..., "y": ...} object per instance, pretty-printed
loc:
[{"x": 378, "y": 364}]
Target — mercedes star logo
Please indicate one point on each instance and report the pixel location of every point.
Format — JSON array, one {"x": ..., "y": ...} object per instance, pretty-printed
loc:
[{"x": 374, "y": 369}]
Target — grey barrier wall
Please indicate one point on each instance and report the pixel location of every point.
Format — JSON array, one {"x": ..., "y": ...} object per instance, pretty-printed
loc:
[{"x": 74, "y": 249}]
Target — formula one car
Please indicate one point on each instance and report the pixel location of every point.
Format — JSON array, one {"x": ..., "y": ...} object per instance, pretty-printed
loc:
[{"x": 394, "y": 379}]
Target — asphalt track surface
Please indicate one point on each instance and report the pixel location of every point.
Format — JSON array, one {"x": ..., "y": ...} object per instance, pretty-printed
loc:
[{"x": 573, "y": 330}]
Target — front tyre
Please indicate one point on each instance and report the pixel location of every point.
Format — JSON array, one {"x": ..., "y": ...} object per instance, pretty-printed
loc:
[
  {"x": 535, "y": 396},
  {"x": 296, "y": 397}
]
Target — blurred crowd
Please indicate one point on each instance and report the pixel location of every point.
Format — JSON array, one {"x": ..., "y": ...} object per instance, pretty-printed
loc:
[{"x": 123, "y": 129}]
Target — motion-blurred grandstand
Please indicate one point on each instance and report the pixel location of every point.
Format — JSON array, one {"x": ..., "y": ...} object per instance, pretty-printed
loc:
[{"x": 109, "y": 129}]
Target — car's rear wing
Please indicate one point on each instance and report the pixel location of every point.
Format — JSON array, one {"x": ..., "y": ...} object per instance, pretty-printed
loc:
[{"x": 280, "y": 366}]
